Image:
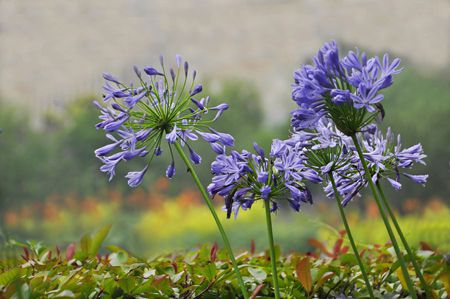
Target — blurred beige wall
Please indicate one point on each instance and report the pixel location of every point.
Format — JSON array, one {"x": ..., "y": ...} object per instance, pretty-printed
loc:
[{"x": 53, "y": 50}]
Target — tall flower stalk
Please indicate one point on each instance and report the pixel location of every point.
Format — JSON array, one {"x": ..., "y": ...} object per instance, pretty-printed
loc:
[
  {"x": 350, "y": 237},
  {"x": 327, "y": 154},
  {"x": 389, "y": 161},
  {"x": 165, "y": 105},
  {"x": 244, "y": 178},
  {"x": 398, "y": 252},
  {"x": 405, "y": 243},
  {"x": 349, "y": 92}
]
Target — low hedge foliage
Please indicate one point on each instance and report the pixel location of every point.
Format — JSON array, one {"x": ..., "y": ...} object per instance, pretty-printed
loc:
[{"x": 84, "y": 270}]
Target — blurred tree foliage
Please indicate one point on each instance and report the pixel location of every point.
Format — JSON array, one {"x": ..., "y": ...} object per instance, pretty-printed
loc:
[{"x": 59, "y": 157}]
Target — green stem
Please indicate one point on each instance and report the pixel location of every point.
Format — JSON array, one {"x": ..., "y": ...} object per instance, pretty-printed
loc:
[
  {"x": 409, "y": 283},
  {"x": 273, "y": 260},
  {"x": 214, "y": 214},
  {"x": 350, "y": 236},
  {"x": 405, "y": 243}
]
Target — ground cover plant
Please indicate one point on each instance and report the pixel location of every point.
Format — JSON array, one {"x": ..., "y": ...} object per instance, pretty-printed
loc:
[{"x": 335, "y": 140}]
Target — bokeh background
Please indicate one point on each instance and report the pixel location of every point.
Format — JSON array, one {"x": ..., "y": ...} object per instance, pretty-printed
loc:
[{"x": 52, "y": 55}]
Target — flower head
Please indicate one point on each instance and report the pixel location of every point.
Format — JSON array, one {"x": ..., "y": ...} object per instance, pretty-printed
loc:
[
  {"x": 386, "y": 159},
  {"x": 326, "y": 152},
  {"x": 347, "y": 90},
  {"x": 163, "y": 105},
  {"x": 243, "y": 178}
]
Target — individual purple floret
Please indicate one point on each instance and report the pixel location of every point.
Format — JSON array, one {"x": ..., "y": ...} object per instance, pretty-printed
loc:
[
  {"x": 346, "y": 90},
  {"x": 164, "y": 105},
  {"x": 243, "y": 178}
]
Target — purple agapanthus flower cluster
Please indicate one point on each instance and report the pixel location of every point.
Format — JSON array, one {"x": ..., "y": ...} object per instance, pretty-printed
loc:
[
  {"x": 388, "y": 160},
  {"x": 242, "y": 178},
  {"x": 329, "y": 151},
  {"x": 346, "y": 90},
  {"x": 338, "y": 98},
  {"x": 164, "y": 105}
]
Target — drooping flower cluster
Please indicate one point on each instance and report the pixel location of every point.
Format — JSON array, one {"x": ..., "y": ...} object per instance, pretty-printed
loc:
[
  {"x": 162, "y": 106},
  {"x": 329, "y": 151},
  {"x": 388, "y": 160},
  {"x": 346, "y": 90},
  {"x": 242, "y": 178}
]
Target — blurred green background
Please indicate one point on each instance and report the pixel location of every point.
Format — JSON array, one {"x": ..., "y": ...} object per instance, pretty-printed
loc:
[{"x": 50, "y": 185}]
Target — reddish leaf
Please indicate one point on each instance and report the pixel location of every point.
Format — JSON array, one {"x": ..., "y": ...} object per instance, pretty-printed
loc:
[
  {"x": 158, "y": 279},
  {"x": 26, "y": 254},
  {"x": 425, "y": 246},
  {"x": 49, "y": 255},
  {"x": 252, "y": 247},
  {"x": 213, "y": 254},
  {"x": 320, "y": 246},
  {"x": 323, "y": 279},
  {"x": 175, "y": 267},
  {"x": 303, "y": 270},
  {"x": 256, "y": 291},
  {"x": 337, "y": 247},
  {"x": 344, "y": 250},
  {"x": 70, "y": 251}
]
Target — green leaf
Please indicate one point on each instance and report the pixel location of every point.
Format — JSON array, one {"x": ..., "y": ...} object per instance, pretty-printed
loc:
[
  {"x": 9, "y": 276},
  {"x": 85, "y": 244},
  {"x": 259, "y": 274},
  {"x": 210, "y": 271},
  {"x": 98, "y": 239},
  {"x": 118, "y": 258}
]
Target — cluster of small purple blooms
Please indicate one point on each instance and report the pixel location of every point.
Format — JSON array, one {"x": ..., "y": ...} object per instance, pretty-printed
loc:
[
  {"x": 339, "y": 98},
  {"x": 243, "y": 178},
  {"x": 346, "y": 90},
  {"x": 164, "y": 105}
]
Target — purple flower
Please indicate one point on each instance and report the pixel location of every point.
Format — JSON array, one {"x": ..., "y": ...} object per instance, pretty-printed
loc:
[
  {"x": 209, "y": 137},
  {"x": 170, "y": 172},
  {"x": 258, "y": 149},
  {"x": 263, "y": 176},
  {"x": 194, "y": 156},
  {"x": 111, "y": 78},
  {"x": 305, "y": 118},
  {"x": 418, "y": 179},
  {"x": 104, "y": 150},
  {"x": 172, "y": 136},
  {"x": 386, "y": 159},
  {"x": 198, "y": 104},
  {"x": 265, "y": 192},
  {"x": 152, "y": 71},
  {"x": 197, "y": 89},
  {"x": 135, "y": 178},
  {"x": 366, "y": 98},
  {"x": 138, "y": 119},
  {"x": 353, "y": 82},
  {"x": 243, "y": 178}
]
